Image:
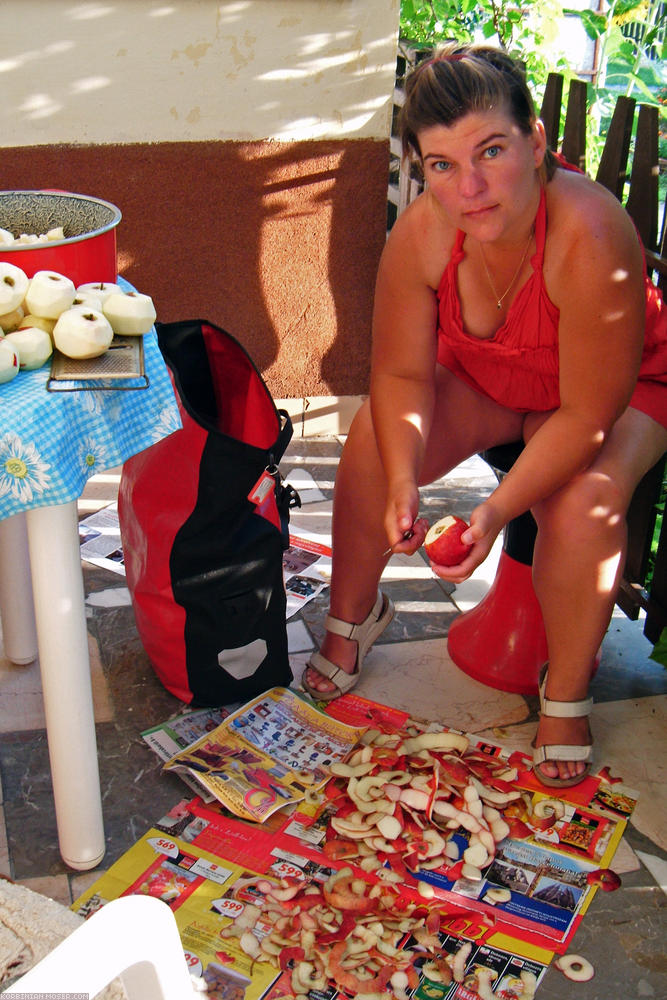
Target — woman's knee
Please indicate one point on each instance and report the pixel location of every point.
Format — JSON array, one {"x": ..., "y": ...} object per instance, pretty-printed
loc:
[{"x": 590, "y": 504}]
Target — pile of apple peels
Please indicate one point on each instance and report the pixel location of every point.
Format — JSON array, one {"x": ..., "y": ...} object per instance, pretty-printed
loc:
[
  {"x": 397, "y": 802},
  {"x": 347, "y": 935},
  {"x": 404, "y": 795}
]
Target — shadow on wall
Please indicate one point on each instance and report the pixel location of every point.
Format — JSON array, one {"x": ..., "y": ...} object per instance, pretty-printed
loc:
[{"x": 276, "y": 242}]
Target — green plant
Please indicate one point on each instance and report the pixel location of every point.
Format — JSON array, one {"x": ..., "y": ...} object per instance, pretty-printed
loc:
[
  {"x": 625, "y": 33},
  {"x": 659, "y": 653},
  {"x": 630, "y": 35},
  {"x": 522, "y": 27}
]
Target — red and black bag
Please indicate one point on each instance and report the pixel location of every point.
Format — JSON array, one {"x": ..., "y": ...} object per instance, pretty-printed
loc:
[{"x": 204, "y": 522}]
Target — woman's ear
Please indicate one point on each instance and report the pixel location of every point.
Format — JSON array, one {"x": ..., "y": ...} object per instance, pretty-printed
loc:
[{"x": 539, "y": 142}]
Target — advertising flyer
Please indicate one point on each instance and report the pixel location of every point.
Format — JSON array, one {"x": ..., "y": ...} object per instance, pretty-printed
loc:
[
  {"x": 267, "y": 754},
  {"x": 208, "y": 893},
  {"x": 221, "y": 869}
]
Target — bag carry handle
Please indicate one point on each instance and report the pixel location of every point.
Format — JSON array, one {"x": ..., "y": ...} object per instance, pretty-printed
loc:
[{"x": 220, "y": 386}]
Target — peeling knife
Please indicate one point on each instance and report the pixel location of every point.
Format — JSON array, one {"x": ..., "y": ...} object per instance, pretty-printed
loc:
[{"x": 406, "y": 536}]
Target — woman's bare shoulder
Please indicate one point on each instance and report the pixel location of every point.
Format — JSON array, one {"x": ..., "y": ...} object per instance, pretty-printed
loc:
[
  {"x": 590, "y": 238},
  {"x": 420, "y": 242},
  {"x": 581, "y": 212}
]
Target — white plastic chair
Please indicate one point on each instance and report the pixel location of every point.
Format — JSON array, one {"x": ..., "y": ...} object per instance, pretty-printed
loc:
[{"x": 134, "y": 939}]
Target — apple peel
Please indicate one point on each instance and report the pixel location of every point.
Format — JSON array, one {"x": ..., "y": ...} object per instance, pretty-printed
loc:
[
  {"x": 484, "y": 977},
  {"x": 342, "y": 770},
  {"x": 497, "y": 895},
  {"x": 575, "y": 967},
  {"x": 459, "y": 961},
  {"x": 607, "y": 879},
  {"x": 435, "y": 741},
  {"x": 546, "y": 813}
]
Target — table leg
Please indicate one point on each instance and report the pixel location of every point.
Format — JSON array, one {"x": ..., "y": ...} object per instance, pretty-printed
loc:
[
  {"x": 16, "y": 607},
  {"x": 62, "y": 637}
]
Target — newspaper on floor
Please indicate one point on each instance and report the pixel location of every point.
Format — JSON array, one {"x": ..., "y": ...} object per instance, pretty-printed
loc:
[
  {"x": 306, "y": 570},
  {"x": 99, "y": 536},
  {"x": 216, "y": 872},
  {"x": 170, "y": 737},
  {"x": 268, "y": 754}
]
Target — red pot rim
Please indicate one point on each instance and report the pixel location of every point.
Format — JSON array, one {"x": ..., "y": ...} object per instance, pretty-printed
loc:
[{"x": 116, "y": 217}]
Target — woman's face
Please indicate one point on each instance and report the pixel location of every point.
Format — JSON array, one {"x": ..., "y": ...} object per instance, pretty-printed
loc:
[{"x": 482, "y": 170}]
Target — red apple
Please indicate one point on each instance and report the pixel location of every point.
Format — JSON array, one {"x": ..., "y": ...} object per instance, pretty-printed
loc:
[
  {"x": 443, "y": 543},
  {"x": 607, "y": 879}
]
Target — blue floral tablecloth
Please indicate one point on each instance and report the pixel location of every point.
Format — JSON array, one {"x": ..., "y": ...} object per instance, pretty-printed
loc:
[{"x": 51, "y": 443}]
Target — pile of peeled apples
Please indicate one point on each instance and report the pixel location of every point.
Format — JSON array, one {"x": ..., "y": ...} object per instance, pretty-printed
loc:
[{"x": 47, "y": 311}]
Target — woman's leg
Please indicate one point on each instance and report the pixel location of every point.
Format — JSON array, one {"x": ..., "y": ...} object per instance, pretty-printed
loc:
[
  {"x": 464, "y": 423},
  {"x": 577, "y": 566}
]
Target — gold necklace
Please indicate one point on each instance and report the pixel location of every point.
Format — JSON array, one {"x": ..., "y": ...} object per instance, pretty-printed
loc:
[{"x": 499, "y": 298}]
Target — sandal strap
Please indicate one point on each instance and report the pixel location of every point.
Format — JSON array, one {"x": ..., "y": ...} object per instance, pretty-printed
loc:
[
  {"x": 352, "y": 631},
  {"x": 566, "y": 709},
  {"x": 336, "y": 675},
  {"x": 561, "y": 709},
  {"x": 561, "y": 752}
]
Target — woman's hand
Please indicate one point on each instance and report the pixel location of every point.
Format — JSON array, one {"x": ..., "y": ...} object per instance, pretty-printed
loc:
[
  {"x": 401, "y": 518},
  {"x": 485, "y": 525}
]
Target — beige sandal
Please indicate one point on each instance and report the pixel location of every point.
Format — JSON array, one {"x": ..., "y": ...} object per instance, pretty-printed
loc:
[
  {"x": 561, "y": 752},
  {"x": 364, "y": 635}
]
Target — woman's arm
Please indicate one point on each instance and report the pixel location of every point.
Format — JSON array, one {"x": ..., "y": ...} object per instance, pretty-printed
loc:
[
  {"x": 594, "y": 274},
  {"x": 403, "y": 362}
]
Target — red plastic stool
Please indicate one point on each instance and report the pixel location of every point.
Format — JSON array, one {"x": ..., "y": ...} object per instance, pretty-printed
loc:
[{"x": 501, "y": 641}]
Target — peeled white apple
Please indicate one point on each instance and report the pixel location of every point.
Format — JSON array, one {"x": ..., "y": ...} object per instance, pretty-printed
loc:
[
  {"x": 13, "y": 287},
  {"x": 103, "y": 289},
  {"x": 130, "y": 313},
  {"x": 88, "y": 298},
  {"x": 82, "y": 332},
  {"x": 6, "y": 238},
  {"x": 9, "y": 361},
  {"x": 49, "y": 294},
  {"x": 34, "y": 346},
  {"x": 39, "y": 321},
  {"x": 11, "y": 320}
]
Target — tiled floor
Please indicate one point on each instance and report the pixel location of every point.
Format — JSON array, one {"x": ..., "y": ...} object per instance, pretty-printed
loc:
[{"x": 623, "y": 933}]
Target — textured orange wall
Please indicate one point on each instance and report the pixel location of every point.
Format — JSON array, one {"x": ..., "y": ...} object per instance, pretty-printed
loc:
[{"x": 276, "y": 242}]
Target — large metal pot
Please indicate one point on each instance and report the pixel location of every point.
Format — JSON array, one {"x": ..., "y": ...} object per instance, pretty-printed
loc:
[{"x": 88, "y": 251}]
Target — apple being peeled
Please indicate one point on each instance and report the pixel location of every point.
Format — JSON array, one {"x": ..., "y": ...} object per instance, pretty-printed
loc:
[{"x": 443, "y": 543}]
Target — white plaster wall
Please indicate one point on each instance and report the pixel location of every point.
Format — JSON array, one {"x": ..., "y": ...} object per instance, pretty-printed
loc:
[{"x": 115, "y": 71}]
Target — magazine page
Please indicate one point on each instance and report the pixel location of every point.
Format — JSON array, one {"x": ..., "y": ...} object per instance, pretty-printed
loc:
[
  {"x": 100, "y": 541},
  {"x": 267, "y": 754},
  {"x": 219, "y": 898},
  {"x": 169, "y": 738},
  {"x": 291, "y": 857},
  {"x": 494, "y": 932},
  {"x": 542, "y": 875},
  {"x": 195, "y": 884},
  {"x": 306, "y": 569}
]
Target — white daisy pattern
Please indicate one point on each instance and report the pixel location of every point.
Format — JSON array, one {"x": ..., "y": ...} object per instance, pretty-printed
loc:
[
  {"x": 51, "y": 443},
  {"x": 92, "y": 402},
  {"x": 94, "y": 456},
  {"x": 23, "y": 472},
  {"x": 168, "y": 422}
]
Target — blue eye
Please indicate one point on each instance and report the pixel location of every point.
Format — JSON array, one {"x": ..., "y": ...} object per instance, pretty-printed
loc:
[
  {"x": 441, "y": 165},
  {"x": 492, "y": 152}
]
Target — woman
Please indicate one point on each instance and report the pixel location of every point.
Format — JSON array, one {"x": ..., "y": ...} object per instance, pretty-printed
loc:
[{"x": 511, "y": 302}]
